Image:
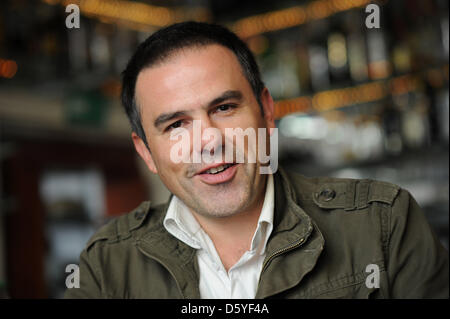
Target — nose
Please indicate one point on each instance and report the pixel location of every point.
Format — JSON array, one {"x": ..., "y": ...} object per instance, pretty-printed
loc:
[{"x": 207, "y": 138}]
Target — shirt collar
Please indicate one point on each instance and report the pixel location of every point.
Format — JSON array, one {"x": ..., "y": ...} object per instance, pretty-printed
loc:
[{"x": 180, "y": 222}]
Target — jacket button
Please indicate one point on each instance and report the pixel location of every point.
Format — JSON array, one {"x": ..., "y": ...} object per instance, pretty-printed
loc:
[{"x": 327, "y": 194}]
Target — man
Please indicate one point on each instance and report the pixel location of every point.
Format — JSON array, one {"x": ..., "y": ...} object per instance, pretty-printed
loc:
[{"x": 229, "y": 231}]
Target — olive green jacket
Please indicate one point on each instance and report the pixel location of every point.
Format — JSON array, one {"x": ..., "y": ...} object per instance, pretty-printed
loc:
[{"x": 332, "y": 238}]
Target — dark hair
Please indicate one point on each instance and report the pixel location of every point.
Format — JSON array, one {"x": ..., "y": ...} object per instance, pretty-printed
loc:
[{"x": 166, "y": 41}]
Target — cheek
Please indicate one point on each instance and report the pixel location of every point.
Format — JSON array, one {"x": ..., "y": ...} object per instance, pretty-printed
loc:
[
  {"x": 168, "y": 167},
  {"x": 170, "y": 174},
  {"x": 161, "y": 153}
]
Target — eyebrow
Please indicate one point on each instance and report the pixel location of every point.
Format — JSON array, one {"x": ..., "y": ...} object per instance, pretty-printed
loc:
[{"x": 227, "y": 95}]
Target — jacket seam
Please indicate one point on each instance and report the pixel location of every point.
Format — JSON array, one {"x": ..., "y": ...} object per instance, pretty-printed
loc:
[{"x": 325, "y": 287}]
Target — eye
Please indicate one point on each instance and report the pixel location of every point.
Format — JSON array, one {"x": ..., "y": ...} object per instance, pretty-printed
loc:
[
  {"x": 225, "y": 107},
  {"x": 174, "y": 125}
]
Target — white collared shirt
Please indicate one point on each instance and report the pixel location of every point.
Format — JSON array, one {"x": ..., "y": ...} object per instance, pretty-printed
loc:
[{"x": 241, "y": 280}]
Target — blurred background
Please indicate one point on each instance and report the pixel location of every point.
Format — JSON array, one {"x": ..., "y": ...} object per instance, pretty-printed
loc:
[{"x": 351, "y": 101}]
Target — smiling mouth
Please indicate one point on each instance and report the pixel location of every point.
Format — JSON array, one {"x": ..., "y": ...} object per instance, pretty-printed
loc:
[
  {"x": 217, "y": 170},
  {"x": 219, "y": 174}
]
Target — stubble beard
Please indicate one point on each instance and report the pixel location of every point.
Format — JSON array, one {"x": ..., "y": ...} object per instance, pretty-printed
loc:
[{"x": 223, "y": 201}]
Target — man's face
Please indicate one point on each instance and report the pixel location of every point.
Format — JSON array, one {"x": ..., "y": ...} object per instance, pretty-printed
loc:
[{"x": 203, "y": 83}]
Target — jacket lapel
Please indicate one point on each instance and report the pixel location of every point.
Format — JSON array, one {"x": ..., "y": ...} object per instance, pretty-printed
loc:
[
  {"x": 294, "y": 246},
  {"x": 177, "y": 257},
  {"x": 174, "y": 255}
]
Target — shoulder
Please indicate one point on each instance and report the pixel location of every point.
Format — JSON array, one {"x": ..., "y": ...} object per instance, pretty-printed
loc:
[
  {"x": 342, "y": 193},
  {"x": 145, "y": 217}
]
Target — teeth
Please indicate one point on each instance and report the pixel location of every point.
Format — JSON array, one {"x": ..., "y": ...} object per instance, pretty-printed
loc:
[
  {"x": 218, "y": 169},
  {"x": 214, "y": 170}
]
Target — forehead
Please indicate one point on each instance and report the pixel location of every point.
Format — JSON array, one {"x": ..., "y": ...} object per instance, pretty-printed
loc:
[{"x": 189, "y": 78}]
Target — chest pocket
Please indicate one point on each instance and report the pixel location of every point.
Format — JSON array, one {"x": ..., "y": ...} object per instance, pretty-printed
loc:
[{"x": 348, "y": 196}]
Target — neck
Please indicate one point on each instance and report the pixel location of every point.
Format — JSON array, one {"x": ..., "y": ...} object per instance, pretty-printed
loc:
[
  {"x": 234, "y": 228},
  {"x": 232, "y": 235}
]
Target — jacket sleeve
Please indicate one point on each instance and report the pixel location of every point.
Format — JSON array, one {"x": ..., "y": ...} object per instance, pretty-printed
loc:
[
  {"x": 89, "y": 279},
  {"x": 417, "y": 262}
]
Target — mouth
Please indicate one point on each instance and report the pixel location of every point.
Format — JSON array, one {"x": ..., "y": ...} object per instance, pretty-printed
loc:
[{"x": 218, "y": 174}]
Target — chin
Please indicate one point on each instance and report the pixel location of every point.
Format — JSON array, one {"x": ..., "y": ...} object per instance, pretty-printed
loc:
[{"x": 227, "y": 208}]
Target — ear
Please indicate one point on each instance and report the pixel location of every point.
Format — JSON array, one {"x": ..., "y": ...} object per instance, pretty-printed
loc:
[
  {"x": 268, "y": 107},
  {"x": 144, "y": 152}
]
